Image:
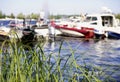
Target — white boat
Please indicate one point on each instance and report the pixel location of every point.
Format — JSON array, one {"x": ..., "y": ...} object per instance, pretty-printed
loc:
[
  {"x": 104, "y": 25},
  {"x": 21, "y": 23},
  {"x": 42, "y": 31},
  {"x": 4, "y": 33},
  {"x": 7, "y": 33},
  {"x": 46, "y": 31}
]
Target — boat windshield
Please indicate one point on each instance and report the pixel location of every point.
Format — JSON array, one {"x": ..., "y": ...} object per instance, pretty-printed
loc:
[{"x": 89, "y": 19}]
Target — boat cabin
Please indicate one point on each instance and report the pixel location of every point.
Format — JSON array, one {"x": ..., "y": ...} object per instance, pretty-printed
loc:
[{"x": 102, "y": 20}]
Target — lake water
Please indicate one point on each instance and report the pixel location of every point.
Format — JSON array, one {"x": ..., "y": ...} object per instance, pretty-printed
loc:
[{"x": 102, "y": 53}]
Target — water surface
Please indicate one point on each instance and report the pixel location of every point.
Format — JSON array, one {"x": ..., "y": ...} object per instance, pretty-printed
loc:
[{"x": 102, "y": 53}]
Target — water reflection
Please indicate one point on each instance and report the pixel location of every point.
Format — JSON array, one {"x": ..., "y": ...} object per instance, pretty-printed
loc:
[{"x": 49, "y": 45}]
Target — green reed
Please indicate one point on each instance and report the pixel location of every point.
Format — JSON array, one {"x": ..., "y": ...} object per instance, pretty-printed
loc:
[{"x": 23, "y": 63}]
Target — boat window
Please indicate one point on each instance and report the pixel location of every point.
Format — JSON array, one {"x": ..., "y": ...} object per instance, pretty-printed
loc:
[
  {"x": 94, "y": 18},
  {"x": 88, "y": 19},
  {"x": 12, "y": 22},
  {"x": 107, "y": 21}
]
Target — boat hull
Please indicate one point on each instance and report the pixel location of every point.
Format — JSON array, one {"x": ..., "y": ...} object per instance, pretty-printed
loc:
[
  {"x": 113, "y": 35},
  {"x": 4, "y": 37},
  {"x": 77, "y": 32},
  {"x": 69, "y": 32}
]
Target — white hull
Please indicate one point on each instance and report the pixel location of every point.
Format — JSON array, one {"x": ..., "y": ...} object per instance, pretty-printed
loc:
[
  {"x": 71, "y": 33},
  {"x": 10, "y": 32},
  {"x": 43, "y": 32},
  {"x": 113, "y": 29}
]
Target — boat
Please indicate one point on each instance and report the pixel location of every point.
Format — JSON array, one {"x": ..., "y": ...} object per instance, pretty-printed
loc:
[
  {"x": 73, "y": 29},
  {"x": 16, "y": 23},
  {"x": 99, "y": 25},
  {"x": 4, "y": 33},
  {"x": 21, "y": 23},
  {"x": 45, "y": 30},
  {"x": 42, "y": 31},
  {"x": 113, "y": 33},
  {"x": 8, "y": 33},
  {"x": 104, "y": 25},
  {"x": 28, "y": 35},
  {"x": 5, "y": 21}
]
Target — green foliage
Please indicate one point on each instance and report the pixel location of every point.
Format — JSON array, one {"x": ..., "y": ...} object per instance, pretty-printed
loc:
[
  {"x": 20, "y": 16},
  {"x": 55, "y": 16},
  {"x": 2, "y": 15},
  {"x": 12, "y": 15},
  {"x": 34, "y": 16},
  {"x": 117, "y": 16},
  {"x": 28, "y": 17}
]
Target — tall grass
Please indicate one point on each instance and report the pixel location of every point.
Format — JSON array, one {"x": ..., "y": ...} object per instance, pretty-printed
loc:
[{"x": 23, "y": 63}]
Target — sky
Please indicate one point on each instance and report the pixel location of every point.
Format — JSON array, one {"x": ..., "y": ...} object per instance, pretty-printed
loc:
[{"x": 57, "y": 6}]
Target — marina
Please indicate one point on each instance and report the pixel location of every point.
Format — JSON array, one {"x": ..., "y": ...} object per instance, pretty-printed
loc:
[{"x": 63, "y": 41}]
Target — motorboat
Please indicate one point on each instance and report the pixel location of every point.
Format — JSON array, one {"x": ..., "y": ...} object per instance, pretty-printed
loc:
[
  {"x": 7, "y": 33},
  {"x": 4, "y": 33},
  {"x": 21, "y": 23},
  {"x": 28, "y": 35},
  {"x": 104, "y": 25},
  {"x": 16, "y": 23},
  {"x": 76, "y": 32},
  {"x": 99, "y": 25},
  {"x": 74, "y": 29}
]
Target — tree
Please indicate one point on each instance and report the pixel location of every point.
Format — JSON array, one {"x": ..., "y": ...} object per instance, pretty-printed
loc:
[
  {"x": 117, "y": 16},
  {"x": 1, "y": 15},
  {"x": 12, "y": 15},
  {"x": 28, "y": 16},
  {"x": 55, "y": 16},
  {"x": 51, "y": 17},
  {"x": 20, "y": 16},
  {"x": 34, "y": 16}
]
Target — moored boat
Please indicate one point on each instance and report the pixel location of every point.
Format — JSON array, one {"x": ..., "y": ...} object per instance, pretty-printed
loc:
[
  {"x": 76, "y": 32},
  {"x": 102, "y": 24},
  {"x": 4, "y": 33},
  {"x": 69, "y": 28}
]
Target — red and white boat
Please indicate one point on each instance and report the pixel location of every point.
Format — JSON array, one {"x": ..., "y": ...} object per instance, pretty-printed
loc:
[{"x": 70, "y": 29}]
